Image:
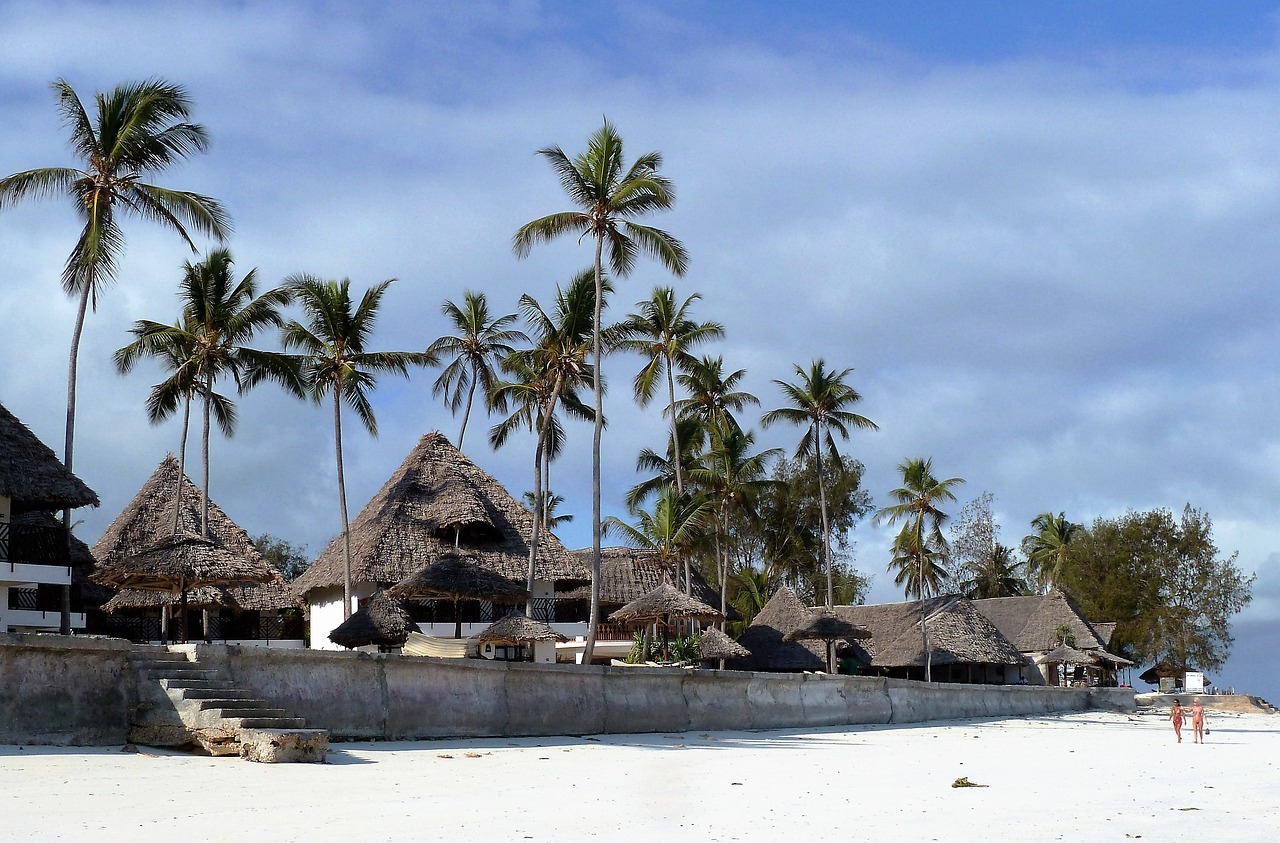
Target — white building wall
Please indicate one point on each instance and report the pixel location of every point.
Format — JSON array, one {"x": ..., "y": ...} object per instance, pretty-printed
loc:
[{"x": 327, "y": 614}]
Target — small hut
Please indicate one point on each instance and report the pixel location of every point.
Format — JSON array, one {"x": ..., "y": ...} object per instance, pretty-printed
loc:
[
  {"x": 511, "y": 636},
  {"x": 766, "y": 635},
  {"x": 457, "y": 577},
  {"x": 380, "y": 621}
]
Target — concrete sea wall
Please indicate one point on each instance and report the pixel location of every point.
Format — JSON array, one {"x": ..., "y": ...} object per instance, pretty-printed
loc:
[{"x": 388, "y": 697}]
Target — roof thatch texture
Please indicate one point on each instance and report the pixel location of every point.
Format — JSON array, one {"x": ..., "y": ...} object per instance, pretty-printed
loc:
[
  {"x": 31, "y": 475},
  {"x": 783, "y": 613},
  {"x": 1111, "y": 659},
  {"x": 958, "y": 634},
  {"x": 662, "y": 605},
  {"x": 133, "y": 600},
  {"x": 438, "y": 498},
  {"x": 1163, "y": 670},
  {"x": 1066, "y": 655},
  {"x": 459, "y": 576},
  {"x": 1030, "y": 623},
  {"x": 380, "y": 620},
  {"x": 826, "y": 626},
  {"x": 183, "y": 561},
  {"x": 1104, "y": 631},
  {"x": 515, "y": 628},
  {"x": 627, "y": 573},
  {"x": 714, "y": 644}
]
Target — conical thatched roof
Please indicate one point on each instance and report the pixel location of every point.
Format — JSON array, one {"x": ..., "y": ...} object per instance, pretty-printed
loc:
[
  {"x": 515, "y": 628},
  {"x": 31, "y": 475},
  {"x": 438, "y": 498},
  {"x": 459, "y": 577},
  {"x": 140, "y": 550},
  {"x": 714, "y": 644},
  {"x": 380, "y": 620},
  {"x": 664, "y": 604},
  {"x": 1066, "y": 655},
  {"x": 958, "y": 634},
  {"x": 626, "y": 573},
  {"x": 783, "y": 613},
  {"x": 826, "y": 626},
  {"x": 1031, "y": 623}
]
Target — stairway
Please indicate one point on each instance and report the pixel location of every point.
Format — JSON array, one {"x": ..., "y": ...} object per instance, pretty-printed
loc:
[{"x": 180, "y": 703}]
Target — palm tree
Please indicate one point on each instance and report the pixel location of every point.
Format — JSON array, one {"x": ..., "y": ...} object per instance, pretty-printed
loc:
[
  {"x": 819, "y": 400},
  {"x": 661, "y": 469},
  {"x": 1048, "y": 549},
  {"x": 713, "y": 395},
  {"x": 550, "y": 503},
  {"x": 334, "y": 361},
  {"x": 997, "y": 575},
  {"x": 140, "y": 129},
  {"x": 552, "y": 371},
  {"x": 732, "y": 479},
  {"x": 479, "y": 344},
  {"x": 609, "y": 196},
  {"x": 920, "y": 550},
  {"x": 663, "y": 333},
  {"x": 220, "y": 316}
]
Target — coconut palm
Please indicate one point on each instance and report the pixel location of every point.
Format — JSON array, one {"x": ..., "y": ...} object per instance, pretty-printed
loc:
[
  {"x": 672, "y": 530},
  {"x": 713, "y": 395},
  {"x": 334, "y": 360},
  {"x": 220, "y": 316},
  {"x": 920, "y": 549},
  {"x": 999, "y": 574},
  {"x": 1048, "y": 549},
  {"x": 608, "y": 197},
  {"x": 819, "y": 401},
  {"x": 661, "y": 468},
  {"x": 663, "y": 333},
  {"x": 550, "y": 503},
  {"x": 139, "y": 129},
  {"x": 477, "y": 347}
]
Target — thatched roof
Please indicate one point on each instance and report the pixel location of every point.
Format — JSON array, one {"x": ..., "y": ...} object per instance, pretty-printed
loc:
[
  {"x": 1111, "y": 659},
  {"x": 132, "y": 599},
  {"x": 626, "y": 573},
  {"x": 826, "y": 626},
  {"x": 1066, "y": 655},
  {"x": 1104, "y": 631},
  {"x": 1164, "y": 670},
  {"x": 515, "y": 628},
  {"x": 143, "y": 533},
  {"x": 31, "y": 475},
  {"x": 1030, "y": 623},
  {"x": 958, "y": 634},
  {"x": 783, "y": 613},
  {"x": 459, "y": 576},
  {"x": 435, "y": 498},
  {"x": 380, "y": 620},
  {"x": 664, "y": 604},
  {"x": 714, "y": 644}
]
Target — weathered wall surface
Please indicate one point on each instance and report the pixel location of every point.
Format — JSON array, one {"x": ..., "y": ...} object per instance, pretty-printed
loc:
[
  {"x": 66, "y": 691},
  {"x": 77, "y": 691}
]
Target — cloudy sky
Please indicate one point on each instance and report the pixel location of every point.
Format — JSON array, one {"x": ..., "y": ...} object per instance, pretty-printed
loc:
[{"x": 1044, "y": 239}]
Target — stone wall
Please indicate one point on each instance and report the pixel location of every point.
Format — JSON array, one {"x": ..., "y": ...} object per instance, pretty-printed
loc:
[{"x": 63, "y": 690}]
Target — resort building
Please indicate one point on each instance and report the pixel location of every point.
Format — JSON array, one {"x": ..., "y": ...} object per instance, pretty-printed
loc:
[
  {"x": 1038, "y": 624},
  {"x": 36, "y": 554}
]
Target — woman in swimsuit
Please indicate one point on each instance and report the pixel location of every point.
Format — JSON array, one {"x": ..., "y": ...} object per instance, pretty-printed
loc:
[
  {"x": 1197, "y": 721},
  {"x": 1176, "y": 714}
]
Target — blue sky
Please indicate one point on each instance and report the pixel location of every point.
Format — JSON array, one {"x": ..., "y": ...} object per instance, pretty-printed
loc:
[{"x": 1042, "y": 234}]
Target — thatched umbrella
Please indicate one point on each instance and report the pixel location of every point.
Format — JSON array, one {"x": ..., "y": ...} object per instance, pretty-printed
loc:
[
  {"x": 825, "y": 626},
  {"x": 133, "y": 599},
  {"x": 516, "y": 629},
  {"x": 1065, "y": 655},
  {"x": 714, "y": 645},
  {"x": 459, "y": 577},
  {"x": 380, "y": 620},
  {"x": 662, "y": 605}
]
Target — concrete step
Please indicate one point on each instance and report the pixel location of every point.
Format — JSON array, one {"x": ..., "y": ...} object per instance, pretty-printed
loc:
[
  {"x": 239, "y": 704},
  {"x": 215, "y": 694},
  {"x": 179, "y": 683},
  {"x": 268, "y": 722},
  {"x": 276, "y": 746},
  {"x": 236, "y": 714}
]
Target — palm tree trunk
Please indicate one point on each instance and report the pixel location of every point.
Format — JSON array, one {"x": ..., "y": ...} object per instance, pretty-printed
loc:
[
  {"x": 342, "y": 503},
  {"x": 182, "y": 463},
  {"x": 675, "y": 454},
  {"x": 64, "y": 622},
  {"x": 204, "y": 451},
  {"x": 466, "y": 414},
  {"x": 539, "y": 506},
  {"x": 589, "y": 648},
  {"x": 822, "y": 503}
]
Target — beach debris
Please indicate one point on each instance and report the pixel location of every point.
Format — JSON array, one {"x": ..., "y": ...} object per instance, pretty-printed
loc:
[
  {"x": 963, "y": 781},
  {"x": 444, "y": 755}
]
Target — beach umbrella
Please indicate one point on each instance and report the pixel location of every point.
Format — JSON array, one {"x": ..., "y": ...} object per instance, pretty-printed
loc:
[
  {"x": 662, "y": 605},
  {"x": 517, "y": 630},
  {"x": 715, "y": 645},
  {"x": 1064, "y": 655},
  {"x": 827, "y": 627},
  {"x": 458, "y": 577},
  {"x": 380, "y": 620}
]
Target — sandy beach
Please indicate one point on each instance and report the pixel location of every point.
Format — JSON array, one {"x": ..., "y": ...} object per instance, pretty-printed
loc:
[{"x": 1081, "y": 777}]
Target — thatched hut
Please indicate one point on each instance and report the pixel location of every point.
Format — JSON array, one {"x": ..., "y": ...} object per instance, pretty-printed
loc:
[
  {"x": 1034, "y": 625},
  {"x": 380, "y": 621},
  {"x": 34, "y": 546},
  {"x": 766, "y": 635},
  {"x": 717, "y": 647},
  {"x": 626, "y": 573},
  {"x": 140, "y": 549},
  {"x": 435, "y": 504},
  {"x": 516, "y": 638},
  {"x": 456, "y": 577}
]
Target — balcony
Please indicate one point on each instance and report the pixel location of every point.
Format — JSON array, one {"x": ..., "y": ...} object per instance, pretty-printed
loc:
[{"x": 33, "y": 554}]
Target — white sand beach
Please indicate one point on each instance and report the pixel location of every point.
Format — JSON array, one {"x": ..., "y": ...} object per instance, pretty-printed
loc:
[{"x": 1081, "y": 777}]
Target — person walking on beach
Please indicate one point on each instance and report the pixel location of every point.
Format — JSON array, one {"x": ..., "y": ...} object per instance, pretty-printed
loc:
[
  {"x": 1197, "y": 721},
  {"x": 1176, "y": 714}
]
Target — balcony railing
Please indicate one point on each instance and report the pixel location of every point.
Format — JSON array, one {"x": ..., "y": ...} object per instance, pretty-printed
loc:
[
  {"x": 33, "y": 544},
  {"x": 24, "y": 598}
]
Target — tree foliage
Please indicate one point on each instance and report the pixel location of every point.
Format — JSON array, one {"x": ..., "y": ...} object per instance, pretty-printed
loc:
[
  {"x": 981, "y": 566},
  {"x": 289, "y": 558},
  {"x": 1161, "y": 579}
]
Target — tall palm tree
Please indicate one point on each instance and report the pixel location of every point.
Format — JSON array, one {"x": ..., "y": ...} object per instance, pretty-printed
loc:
[
  {"x": 555, "y": 368},
  {"x": 1048, "y": 549},
  {"x": 660, "y": 469},
  {"x": 139, "y": 129},
  {"x": 477, "y": 347},
  {"x": 818, "y": 402},
  {"x": 608, "y": 197},
  {"x": 999, "y": 574},
  {"x": 220, "y": 317},
  {"x": 920, "y": 548},
  {"x": 335, "y": 361},
  {"x": 713, "y": 395},
  {"x": 663, "y": 333}
]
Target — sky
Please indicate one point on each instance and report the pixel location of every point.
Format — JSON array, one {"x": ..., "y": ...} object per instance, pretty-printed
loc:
[{"x": 1042, "y": 236}]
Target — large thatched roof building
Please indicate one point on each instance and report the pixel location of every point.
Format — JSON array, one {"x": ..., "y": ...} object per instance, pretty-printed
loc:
[
  {"x": 627, "y": 573},
  {"x": 1034, "y": 624},
  {"x": 765, "y": 637},
  {"x": 438, "y": 502},
  {"x": 31, "y": 476}
]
